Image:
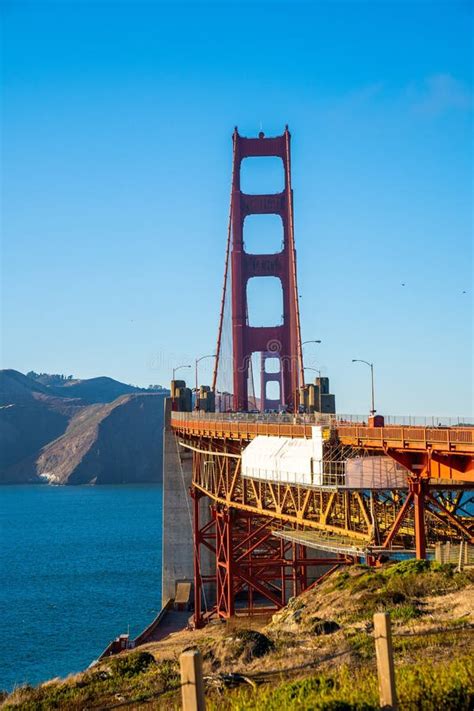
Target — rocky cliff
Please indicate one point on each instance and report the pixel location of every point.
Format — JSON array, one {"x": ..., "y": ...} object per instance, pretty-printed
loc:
[
  {"x": 45, "y": 435},
  {"x": 116, "y": 443}
]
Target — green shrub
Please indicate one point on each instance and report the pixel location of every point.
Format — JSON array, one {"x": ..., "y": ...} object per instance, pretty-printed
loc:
[
  {"x": 429, "y": 687},
  {"x": 131, "y": 664},
  {"x": 407, "y": 567},
  {"x": 169, "y": 675}
]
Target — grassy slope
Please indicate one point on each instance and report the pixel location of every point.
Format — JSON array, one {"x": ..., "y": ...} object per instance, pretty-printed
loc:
[{"x": 300, "y": 663}]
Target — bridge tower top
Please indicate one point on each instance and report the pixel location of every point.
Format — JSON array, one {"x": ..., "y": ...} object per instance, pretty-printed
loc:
[{"x": 282, "y": 341}]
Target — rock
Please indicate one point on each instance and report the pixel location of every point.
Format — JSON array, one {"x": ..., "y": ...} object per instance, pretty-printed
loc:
[
  {"x": 320, "y": 627},
  {"x": 248, "y": 645}
]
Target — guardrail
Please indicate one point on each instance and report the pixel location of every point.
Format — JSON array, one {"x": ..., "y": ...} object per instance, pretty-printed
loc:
[
  {"x": 415, "y": 420},
  {"x": 458, "y": 439},
  {"x": 327, "y": 419},
  {"x": 408, "y": 435},
  {"x": 254, "y": 417}
]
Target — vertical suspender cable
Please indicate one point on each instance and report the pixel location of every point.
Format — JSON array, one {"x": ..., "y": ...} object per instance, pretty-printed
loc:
[
  {"x": 226, "y": 271},
  {"x": 293, "y": 262}
]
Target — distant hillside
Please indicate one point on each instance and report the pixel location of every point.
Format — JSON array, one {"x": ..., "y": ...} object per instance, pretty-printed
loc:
[
  {"x": 78, "y": 431},
  {"x": 30, "y": 417},
  {"x": 16, "y": 387},
  {"x": 95, "y": 389},
  {"x": 114, "y": 443},
  {"x": 92, "y": 390}
]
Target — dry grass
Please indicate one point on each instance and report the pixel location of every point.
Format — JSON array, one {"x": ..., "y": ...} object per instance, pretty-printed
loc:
[{"x": 324, "y": 631}]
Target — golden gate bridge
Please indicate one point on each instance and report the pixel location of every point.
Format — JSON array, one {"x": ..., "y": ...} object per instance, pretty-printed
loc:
[{"x": 282, "y": 490}]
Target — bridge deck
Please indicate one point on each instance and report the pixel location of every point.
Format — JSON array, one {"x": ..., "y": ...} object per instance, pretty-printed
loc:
[
  {"x": 442, "y": 453},
  {"x": 346, "y": 522},
  {"x": 458, "y": 440}
]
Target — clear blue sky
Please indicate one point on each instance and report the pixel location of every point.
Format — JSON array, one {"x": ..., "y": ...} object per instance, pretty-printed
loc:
[{"x": 117, "y": 123}]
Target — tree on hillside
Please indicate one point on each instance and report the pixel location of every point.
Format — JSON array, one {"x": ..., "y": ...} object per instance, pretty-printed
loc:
[{"x": 49, "y": 378}]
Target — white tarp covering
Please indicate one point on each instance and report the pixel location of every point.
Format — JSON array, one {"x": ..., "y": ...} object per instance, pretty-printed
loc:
[
  {"x": 283, "y": 459},
  {"x": 375, "y": 473},
  {"x": 300, "y": 461}
]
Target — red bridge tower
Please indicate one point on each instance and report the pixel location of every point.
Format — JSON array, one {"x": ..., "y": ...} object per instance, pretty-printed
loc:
[{"x": 283, "y": 341}]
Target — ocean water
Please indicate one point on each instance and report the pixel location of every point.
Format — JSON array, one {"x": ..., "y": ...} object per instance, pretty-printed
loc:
[{"x": 78, "y": 566}]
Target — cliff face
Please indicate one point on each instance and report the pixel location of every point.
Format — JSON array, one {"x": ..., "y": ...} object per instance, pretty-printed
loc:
[
  {"x": 116, "y": 443},
  {"x": 47, "y": 436},
  {"x": 30, "y": 417}
]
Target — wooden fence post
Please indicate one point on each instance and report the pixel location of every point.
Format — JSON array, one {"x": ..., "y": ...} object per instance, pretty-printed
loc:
[
  {"x": 192, "y": 684},
  {"x": 385, "y": 668},
  {"x": 461, "y": 557}
]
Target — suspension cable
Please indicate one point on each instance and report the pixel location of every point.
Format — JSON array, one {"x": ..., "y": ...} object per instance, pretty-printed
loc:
[{"x": 226, "y": 271}]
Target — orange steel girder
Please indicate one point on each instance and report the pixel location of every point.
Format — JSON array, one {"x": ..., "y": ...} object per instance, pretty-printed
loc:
[
  {"x": 449, "y": 453},
  {"x": 252, "y": 565},
  {"x": 224, "y": 564},
  {"x": 251, "y": 562},
  {"x": 345, "y": 513},
  {"x": 255, "y": 571}
]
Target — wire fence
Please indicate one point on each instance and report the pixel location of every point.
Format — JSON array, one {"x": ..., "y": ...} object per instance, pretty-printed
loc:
[{"x": 221, "y": 680}]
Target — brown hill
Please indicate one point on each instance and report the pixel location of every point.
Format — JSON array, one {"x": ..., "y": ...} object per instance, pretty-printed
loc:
[
  {"x": 16, "y": 387},
  {"x": 55, "y": 434},
  {"x": 30, "y": 417},
  {"x": 94, "y": 390},
  {"x": 114, "y": 443}
]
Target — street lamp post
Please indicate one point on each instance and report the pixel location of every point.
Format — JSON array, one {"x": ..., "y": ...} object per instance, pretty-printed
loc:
[
  {"x": 313, "y": 340},
  {"x": 310, "y": 342},
  {"x": 177, "y": 368},
  {"x": 198, "y": 360},
  {"x": 316, "y": 370},
  {"x": 371, "y": 366}
]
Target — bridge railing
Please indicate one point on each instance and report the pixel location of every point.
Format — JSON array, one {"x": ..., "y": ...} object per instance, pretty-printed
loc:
[
  {"x": 303, "y": 419},
  {"x": 421, "y": 435},
  {"x": 432, "y": 422},
  {"x": 414, "y": 420}
]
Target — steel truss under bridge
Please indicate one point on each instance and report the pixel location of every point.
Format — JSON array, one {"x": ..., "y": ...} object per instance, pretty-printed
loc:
[{"x": 259, "y": 563}]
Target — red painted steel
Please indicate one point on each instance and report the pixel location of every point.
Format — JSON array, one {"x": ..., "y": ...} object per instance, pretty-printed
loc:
[
  {"x": 267, "y": 403},
  {"x": 254, "y": 570},
  {"x": 283, "y": 341},
  {"x": 419, "y": 489}
]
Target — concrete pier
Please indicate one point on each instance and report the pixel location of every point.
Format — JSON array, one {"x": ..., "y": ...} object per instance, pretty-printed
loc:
[
  {"x": 178, "y": 561},
  {"x": 178, "y": 545}
]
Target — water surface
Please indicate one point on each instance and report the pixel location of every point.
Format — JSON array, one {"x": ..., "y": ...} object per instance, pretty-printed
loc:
[{"x": 78, "y": 565}]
